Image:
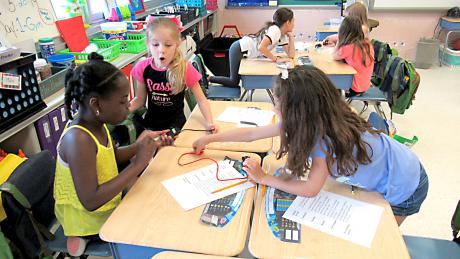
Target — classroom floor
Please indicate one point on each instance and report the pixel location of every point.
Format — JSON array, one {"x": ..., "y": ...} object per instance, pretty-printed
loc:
[{"x": 434, "y": 118}]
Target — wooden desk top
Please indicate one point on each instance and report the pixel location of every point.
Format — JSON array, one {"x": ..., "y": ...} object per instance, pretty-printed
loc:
[
  {"x": 450, "y": 19},
  {"x": 321, "y": 58},
  {"x": 327, "y": 28},
  {"x": 197, "y": 121},
  {"x": 387, "y": 243},
  {"x": 180, "y": 255},
  {"x": 149, "y": 216}
]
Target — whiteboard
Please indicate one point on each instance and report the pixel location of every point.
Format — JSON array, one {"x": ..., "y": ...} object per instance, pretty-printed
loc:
[
  {"x": 27, "y": 19},
  {"x": 414, "y": 4}
]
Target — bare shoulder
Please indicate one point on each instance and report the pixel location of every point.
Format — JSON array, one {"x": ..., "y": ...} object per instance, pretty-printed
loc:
[{"x": 76, "y": 141}]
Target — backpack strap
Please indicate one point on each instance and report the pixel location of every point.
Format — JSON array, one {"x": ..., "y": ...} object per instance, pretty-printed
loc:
[
  {"x": 455, "y": 223},
  {"x": 40, "y": 230}
]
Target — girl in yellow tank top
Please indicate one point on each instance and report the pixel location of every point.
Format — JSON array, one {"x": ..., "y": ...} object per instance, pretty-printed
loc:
[{"x": 87, "y": 184}]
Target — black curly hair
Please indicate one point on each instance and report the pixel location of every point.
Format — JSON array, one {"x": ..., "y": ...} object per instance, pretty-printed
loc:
[{"x": 95, "y": 76}]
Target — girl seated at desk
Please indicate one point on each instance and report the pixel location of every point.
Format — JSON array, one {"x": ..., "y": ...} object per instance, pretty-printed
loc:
[
  {"x": 316, "y": 122},
  {"x": 275, "y": 33}
]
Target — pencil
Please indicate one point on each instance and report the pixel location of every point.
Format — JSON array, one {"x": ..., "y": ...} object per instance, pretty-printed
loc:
[{"x": 229, "y": 186}]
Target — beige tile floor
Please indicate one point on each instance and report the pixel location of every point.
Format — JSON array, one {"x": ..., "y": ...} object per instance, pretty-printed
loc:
[{"x": 435, "y": 119}]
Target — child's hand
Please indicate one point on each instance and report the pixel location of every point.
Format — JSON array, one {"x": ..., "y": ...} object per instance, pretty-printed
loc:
[
  {"x": 255, "y": 172},
  {"x": 281, "y": 60},
  {"x": 199, "y": 145},
  {"x": 146, "y": 147},
  {"x": 212, "y": 127}
]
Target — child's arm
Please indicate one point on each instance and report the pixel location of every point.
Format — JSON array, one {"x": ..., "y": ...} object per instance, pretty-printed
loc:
[
  {"x": 264, "y": 50},
  {"x": 309, "y": 188},
  {"x": 141, "y": 96},
  {"x": 204, "y": 106},
  {"x": 331, "y": 40},
  {"x": 290, "y": 47},
  {"x": 336, "y": 54},
  {"x": 79, "y": 151},
  {"x": 124, "y": 154},
  {"x": 237, "y": 135}
]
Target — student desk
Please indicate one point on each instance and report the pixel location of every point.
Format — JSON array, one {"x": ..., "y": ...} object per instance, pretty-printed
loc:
[
  {"x": 149, "y": 220},
  {"x": 387, "y": 243},
  {"x": 197, "y": 121},
  {"x": 260, "y": 73},
  {"x": 180, "y": 255}
]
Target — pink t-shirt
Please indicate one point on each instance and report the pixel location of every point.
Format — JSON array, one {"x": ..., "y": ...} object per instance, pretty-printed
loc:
[
  {"x": 362, "y": 78},
  {"x": 192, "y": 76},
  {"x": 165, "y": 110}
]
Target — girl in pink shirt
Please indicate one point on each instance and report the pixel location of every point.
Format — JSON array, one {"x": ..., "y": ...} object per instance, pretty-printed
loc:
[
  {"x": 357, "y": 51},
  {"x": 163, "y": 77}
]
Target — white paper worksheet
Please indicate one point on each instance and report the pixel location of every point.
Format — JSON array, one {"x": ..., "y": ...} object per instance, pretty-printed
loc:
[
  {"x": 250, "y": 116},
  {"x": 337, "y": 215},
  {"x": 195, "y": 188}
]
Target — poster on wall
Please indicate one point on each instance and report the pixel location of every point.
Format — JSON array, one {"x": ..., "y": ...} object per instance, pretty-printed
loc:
[{"x": 138, "y": 6}]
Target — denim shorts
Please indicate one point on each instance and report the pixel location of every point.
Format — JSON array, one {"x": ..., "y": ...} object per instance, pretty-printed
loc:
[{"x": 413, "y": 203}]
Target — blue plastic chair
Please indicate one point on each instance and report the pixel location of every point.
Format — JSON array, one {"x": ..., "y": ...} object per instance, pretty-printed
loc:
[
  {"x": 225, "y": 93},
  {"x": 94, "y": 248},
  {"x": 373, "y": 96},
  {"x": 428, "y": 248}
]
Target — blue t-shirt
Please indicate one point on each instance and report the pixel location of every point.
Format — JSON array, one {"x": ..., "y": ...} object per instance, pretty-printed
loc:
[{"x": 394, "y": 170}]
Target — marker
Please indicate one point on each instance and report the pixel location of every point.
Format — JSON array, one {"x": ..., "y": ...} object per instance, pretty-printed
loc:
[{"x": 249, "y": 123}]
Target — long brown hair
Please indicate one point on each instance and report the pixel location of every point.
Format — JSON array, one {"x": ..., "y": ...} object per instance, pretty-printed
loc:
[
  {"x": 351, "y": 32},
  {"x": 359, "y": 10},
  {"x": 280, "y": 17},
  {"x": 313, "y": 110},
  {"x": 177, "y": 67}
]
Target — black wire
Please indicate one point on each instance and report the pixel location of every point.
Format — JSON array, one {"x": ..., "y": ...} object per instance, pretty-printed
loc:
[{"x": 204, "y": 130}]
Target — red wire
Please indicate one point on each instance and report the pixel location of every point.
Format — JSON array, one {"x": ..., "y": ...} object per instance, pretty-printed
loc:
[{"x": 207, "y": 158}]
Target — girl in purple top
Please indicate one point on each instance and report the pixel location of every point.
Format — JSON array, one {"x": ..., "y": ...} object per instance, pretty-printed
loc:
[{"x": 163, "y": 77}]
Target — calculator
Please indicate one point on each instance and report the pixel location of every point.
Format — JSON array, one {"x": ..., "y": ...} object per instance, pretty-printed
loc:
[{"x": 22, "y": 100}]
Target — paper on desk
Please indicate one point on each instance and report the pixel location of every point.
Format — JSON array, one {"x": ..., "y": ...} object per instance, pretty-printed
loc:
[
  {"x": 238, "y": 115},
  {"x": 337, "y": 215},
  {"x": 195, "y": 188}
]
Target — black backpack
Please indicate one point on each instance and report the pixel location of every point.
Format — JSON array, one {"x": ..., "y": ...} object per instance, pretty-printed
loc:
[
  {"x": 453, "y": 12},
  {"x": 28, "y": 201}
]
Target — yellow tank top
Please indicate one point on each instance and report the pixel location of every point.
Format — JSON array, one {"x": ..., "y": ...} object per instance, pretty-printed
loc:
[{"x": 74, "y": 218}]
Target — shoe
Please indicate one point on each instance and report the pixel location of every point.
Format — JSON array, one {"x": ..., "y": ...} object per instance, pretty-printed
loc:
[{"x": 76, "y": 246}]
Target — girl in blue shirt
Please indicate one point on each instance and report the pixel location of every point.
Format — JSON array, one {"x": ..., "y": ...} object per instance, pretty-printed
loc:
[{"x": 316, "y": 123}]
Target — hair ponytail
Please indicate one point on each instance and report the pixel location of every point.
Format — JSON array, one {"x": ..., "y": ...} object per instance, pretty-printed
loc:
[{"x": 176, "y": 72}]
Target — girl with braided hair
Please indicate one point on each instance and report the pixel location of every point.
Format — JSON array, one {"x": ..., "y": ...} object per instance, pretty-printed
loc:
[{"x": 87, "y": 185}]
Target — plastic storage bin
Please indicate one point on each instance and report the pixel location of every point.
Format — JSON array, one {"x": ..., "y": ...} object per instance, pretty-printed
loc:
[
  {"x": 427, "y": 53},
  {"x": 109, "y": 50},
  {"x": 16, "y": 105},
  {"x": 54, "y": 83},
  {"x": 136, "y": 43}
]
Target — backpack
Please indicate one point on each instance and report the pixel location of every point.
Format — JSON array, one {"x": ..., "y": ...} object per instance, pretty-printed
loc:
[
  {"x": 382, "y": 52},
  {"x": 400, "y": 82},
  {"x": 453, "y": 12},
  {"x": 28, "y": 201}
]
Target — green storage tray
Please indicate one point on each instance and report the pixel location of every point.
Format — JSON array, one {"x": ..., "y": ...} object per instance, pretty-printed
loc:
[
  {"x": 135, "y": 43},
  {"x": 54, "y": 83},
  {"x": 109, "y": 51}
]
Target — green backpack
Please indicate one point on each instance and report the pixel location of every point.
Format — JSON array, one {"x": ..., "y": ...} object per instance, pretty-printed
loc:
[
  {"x": 382, "y": 52},
  {"x": 400, "y": 82}
]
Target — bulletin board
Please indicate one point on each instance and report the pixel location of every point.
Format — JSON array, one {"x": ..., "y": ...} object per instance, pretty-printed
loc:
[
  {"x": 255, "y": 3},
  {"x": 27, "y": 19}
]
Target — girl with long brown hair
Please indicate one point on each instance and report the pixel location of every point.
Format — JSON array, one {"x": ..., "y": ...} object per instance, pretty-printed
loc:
[
  {"x": 315, "y": 122},
  {"x": 357, "y": 52}
]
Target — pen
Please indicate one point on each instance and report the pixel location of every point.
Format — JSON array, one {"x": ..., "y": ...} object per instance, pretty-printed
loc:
[
  {"x": 229, "y": 186},
  {"x": 253, "y": 107},
  {"x": 353, "y": 190},
  {"x": 249, "y": 123}
]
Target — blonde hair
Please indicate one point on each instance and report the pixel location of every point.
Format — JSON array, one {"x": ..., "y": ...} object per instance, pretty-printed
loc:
[
  {"x": 358, "y": 10},
  {"x": 178, "y": 65}
]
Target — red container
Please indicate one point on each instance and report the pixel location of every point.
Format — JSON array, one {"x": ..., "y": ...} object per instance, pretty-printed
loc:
[{"x": 211, "y": 5}]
